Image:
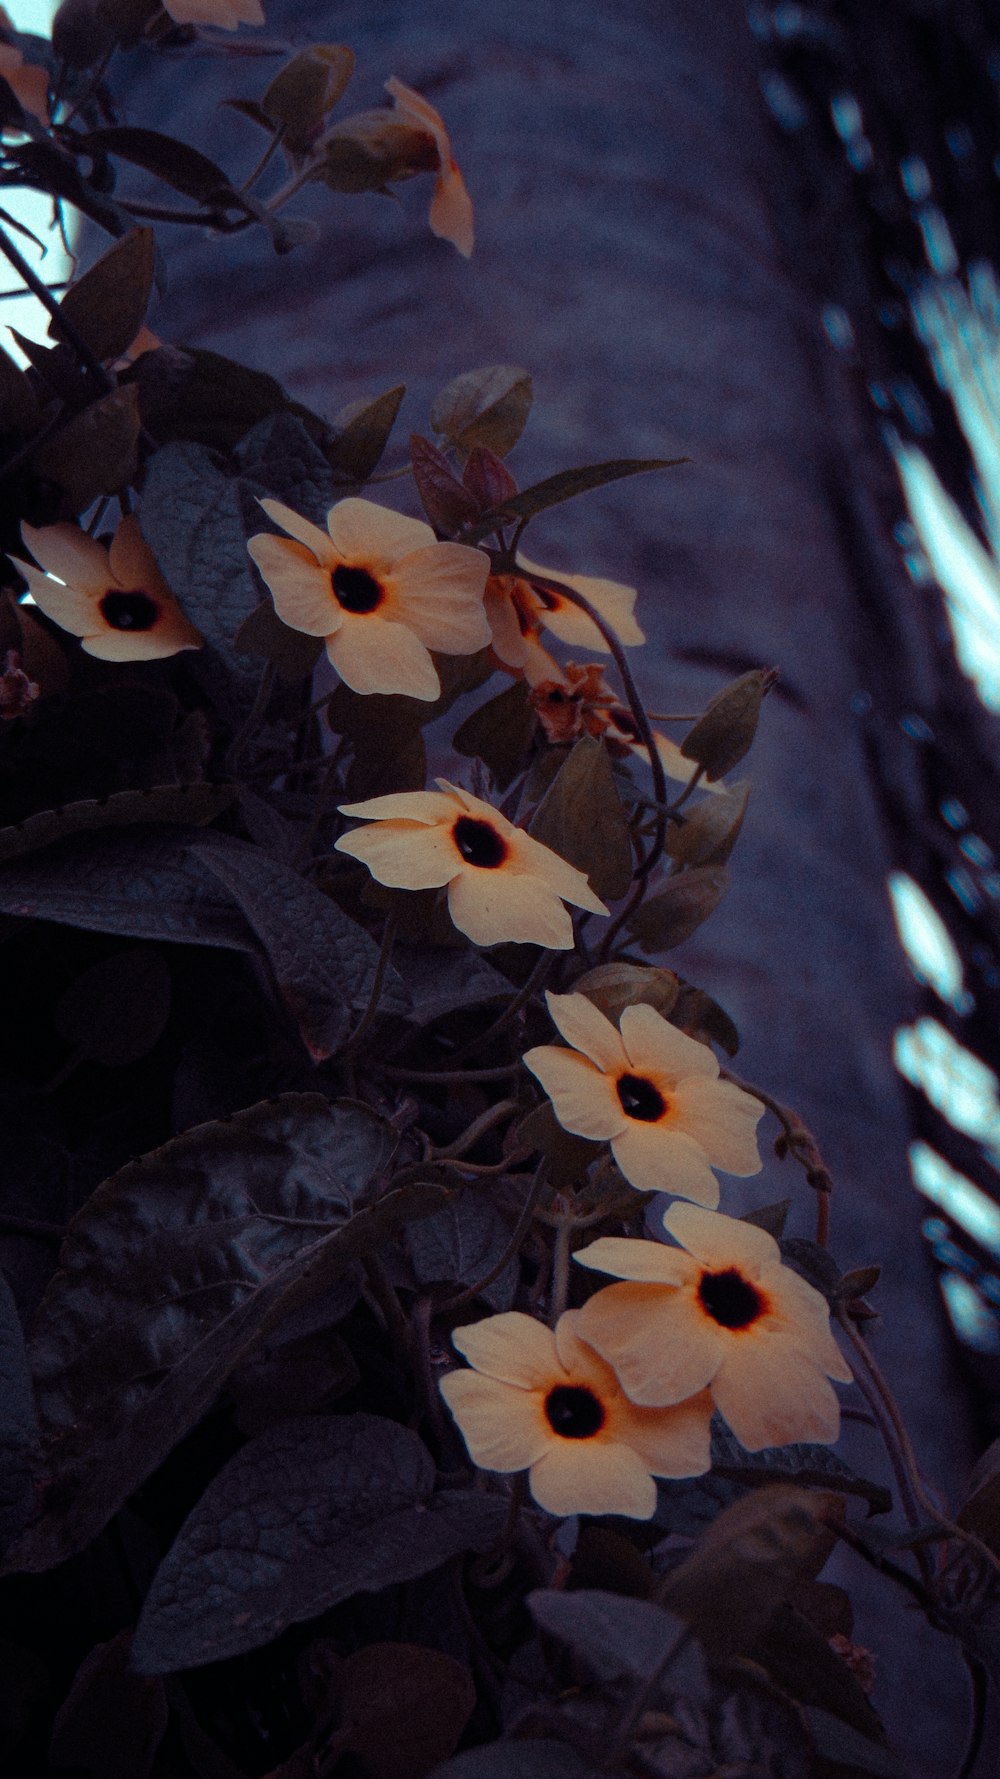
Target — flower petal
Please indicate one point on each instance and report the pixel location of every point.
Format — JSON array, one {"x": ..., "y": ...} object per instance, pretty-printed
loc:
[
  {"x": 719, "y": 1241},
  {"x": 403, "y": 855},
  {"x": 660, "y": 1158},
  {"x": 557, "y": 873},
  {"x": 405, "y": 806},
  {"x": 68, "y": 607},
  {"x": 513, "y": 1347},
  {"x": 498, "y": 907},
  {"x": 661, "y": 1346},
  {"x": 300, "y": 587},
  {"x": 672, "y": 1441},
  {"x": 769, "y": 1393},
  {"x": 67, "y": 552},
  {"x": 652, "y": 1262},
  {"x": 503, "y": 1427},
  {"x": 583, "y": 1098},
  {"x": 806, "y": 1317},
  {"x": 508, "y": 641},
  {"x": 168, "y": 638},
  {"x": 373, "y": 654},
  {"x": 451, "y": 209},
  {"x": 654, "y": 1046},
  {"x": 611, "y": 599},
  {"x": 366, "y": 533},
  {"x": 585, "y": 1027},
  {"x": 439, "y": 593},
  {"x": 133, "y": 563},
  {"x": 317, "y": 542},
  {"x": 593, "y": 1476},
  {"x": 723, "y": 1119}
]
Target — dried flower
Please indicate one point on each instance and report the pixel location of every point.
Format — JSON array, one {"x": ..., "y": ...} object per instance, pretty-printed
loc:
[
  {"x": 451, "y": 206},
  {"x": 17, "y": 691},
  {"x": 115, "y": 600}
]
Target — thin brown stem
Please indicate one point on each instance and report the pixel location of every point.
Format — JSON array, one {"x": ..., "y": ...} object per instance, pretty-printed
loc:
[
  {"x": 444, "y": 1077},
  {"x": 375, "y": 993},
  {"x": 534, "y": 982},
  {"x": 800, "y": 1143},
  {"x": 486, "y": 1121},
  {"x": 513, "y": 1247}
]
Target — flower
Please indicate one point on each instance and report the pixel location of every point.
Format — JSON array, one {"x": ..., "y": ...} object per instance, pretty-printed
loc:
[
  {"x": 227, "y": 14},
  {"x": 518, "y": 609},
  {"x": 451, "y": 206},
  {"x": 578, "y": 701},
  {"x": 651, "y": 1091},
  {"x": 542, "y": 1400},
  {"x": 726, "y": 1314},
  {"x": 27, "y": 80},
  {"x": 116, "y": 600},
  {"x": 502, "y": 885},
  {"x": 379, "y": 589}
]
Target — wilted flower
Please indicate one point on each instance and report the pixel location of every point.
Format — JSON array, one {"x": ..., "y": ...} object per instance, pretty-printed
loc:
[
  {"x": 27, "y": 80},
  {"x": 502, "y": 884},
  {"x": 519, "y": 608},
  {"x": 578, "y": 701},
  {"x": 379, "y": 589},
  {"x": 726, "y": 1314},
  {"x": 17, "y": 691},
  {"x": 543, "y": 1401},
  {"x": 227, "y": 14},
  {"x": 653, "y": 1093},
  {"x": 451, "y": 206},
  {"x": 115, "y": 600}
]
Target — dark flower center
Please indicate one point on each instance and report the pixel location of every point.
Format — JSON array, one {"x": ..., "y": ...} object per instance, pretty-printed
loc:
[
  {"x": 640, "y": 1099},
  {"x": 730, "y": 1299},
  {"x": 129, "y": 611},
  {"x": 479, "y": 844},
  {"x": 356, "y": 589},
  {"x": 574, "y": 1412}
]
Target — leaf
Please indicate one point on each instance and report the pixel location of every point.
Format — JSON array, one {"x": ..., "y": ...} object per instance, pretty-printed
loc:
[
  {"x": 614, "y": 986},
  {"x": 115, "y": 1012},
  {"x": 447, "y": 503},
  {"x": 291, "y": 652},
  {"x": 202, "y": 398},
  {"x": 678, "y": 908},
  {"x": 807, "y": 1466},
  {"x": 183, "y": 168},
  {"x": 746, "y": 1564},
  {"x": 582, "y": 818},
  {"x": 770, "y": 1217},
  {"x": 113, "y": 1720},
  {"x": 814, "y": 1263},
  {"x": 519, "y": 1759},
  {"x": 18, "y": 1425},
  {"x": 18, "y": 401},
  {"x": 48, "y": 168},
  {"x": 96, "y": 452},
  {"x": 171, "y": 1274},
  {"x": 696, "y": 1013},
  {"x": 180, "y": 805},
  {"x": 709, "y": 832},
  {"x": 402, "y": 1708},
  {"x": 107, "y": 304},
  {"x": 799, "y": 1659},
  {"x": 362, "y": 433},
  {"x": 141, "y": 885},
  {"x": 858, "y": 1282},
  {"x": 440, "y": 982},
  {"x": 487, "y": 478},
  {"x": 460, "y": 1244},
  {"x": 564, "y": 486},
  {"x": 568, "y": 1156},
  {"x": 305, "y": 89},
  {"x": 484, "y": 407},
  {"x": 724, "y": 732},
  {"x": 620, "y": 1639},
  {"x": 283, "y": 454},
  {"x": 836, "y": 1741},
  {"x": 500, "y": 732},
  {"x": 312, "y": 1512},
  {"x": 324, "y": 963}
]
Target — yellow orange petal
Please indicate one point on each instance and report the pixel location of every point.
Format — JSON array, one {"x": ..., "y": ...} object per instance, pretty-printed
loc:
[
  {"x": 512, "y": 1347},
  {"x": 649, "y": 1262},
  {"x": 300, "y": 587},
  {"x": 591, "y": 1476},
  {"x": 503, "y": 1426},
  {"x": 724, "y": 1120},
  {"x": 770, "y": 1393},
  {"x": 558, "y": 874},
  {"x": 719, "y": 1241},
  {"x": 662, "y": 1349},
  {"x": 364, "y": 532},
  {"x": 303, "y": 530},
  {"x": 671, "y": 1441},
  {"x": 133, "y": 563},
  {"x": 611, "y": 599},
  {"x": 66, "y": 606},
  {"x": 405, "y": 806},
  {"x": 373, "y": 654},
  {"x": 806, "y": 1315},
  {"x": 439, "y": 593},
  {"x": 656, "y": 1047},
  {"x": 508, "y": 640},
  {"x": 169, "y": 638},
  {"x": 585, "y": 1027},
  {"x": 583, "y": 1098},
  {"x": 496, "y": 908},
  {"x": 451, "y": 217},
  {"x": 403, "y": 855},
  {"x": 661, "y": 1158},
  {"x": 67, "y": 552}
]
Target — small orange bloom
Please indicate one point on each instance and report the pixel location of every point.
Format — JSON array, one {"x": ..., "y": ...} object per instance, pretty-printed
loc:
[
  {"x": 227, "y": 14},
  {"x": 115, "y": 600},
  {"x": 518, "y": 609},
  {"x": 726, "y": 1314},
  {"x": 503, "y": 886},
  {"x": 541, "y": 1400},
  {"x": 578, "y": 701},
  {"x": 451, "y": 206}
]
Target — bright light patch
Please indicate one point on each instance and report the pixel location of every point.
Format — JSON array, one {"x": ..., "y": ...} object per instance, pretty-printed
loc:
[
  {"x": 927, "y": 942},
  {"x": 957, "y": 1084},
  {"x": 34, "y": 211},
  {"x": 962, "y": 567},
  {"x": 966, "y": 1204},
  {"x": 974, "y": 1324}
]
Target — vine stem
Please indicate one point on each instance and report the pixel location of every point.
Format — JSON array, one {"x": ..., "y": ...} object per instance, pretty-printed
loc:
[
  {"x": 560, "y": 1266},
  {"x": 534, "y": 982},
  {"x": 802, "y": 1145},
  {"x": 478, "y": 1128},
  {"x": 442, "y": 1077},
  {"x": 375, "y": 994},
  {"x": 518, "y": 1234},
  {"x": 60, "y": 324}
]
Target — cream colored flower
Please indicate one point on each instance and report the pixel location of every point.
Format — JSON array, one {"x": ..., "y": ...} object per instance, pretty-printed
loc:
[
  {"x": 653, "y": 1093},
  {"x": 518, "y": 610},
  {"x": 28, "y": 81},
  {"x": 451, "y": 206},
  {"x": 227, "y": 14},
  {"x": 544, "y": 1402},
  {"x": 379, "y": 589},
  {"x": 115, "y": 600},
  {"x": 726, "y": 1314},
  {"x": 503, "y": 886}
]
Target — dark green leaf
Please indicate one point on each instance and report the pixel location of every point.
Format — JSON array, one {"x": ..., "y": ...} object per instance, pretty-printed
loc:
[
  {"x": 107, "y": 304},
  {"x": 814, "y": 1263},
  {"x": 858, "y": 1282},
  {"x": 49, "y": 168},
  {"x": 500, "y": 732},
  {"x": 18, "y": 1428},
  {"x": 564, "y": 486},
  {"x": 401, "y": 1707},
  {"x": 725, "y": 730},
  {"x": 678, "y": 908},
  {"x": 614, "y": 986},
  {"x": 447, "y": 503},
  {"x": 460, "y": 1244},
  {"x": 202, "y": 397},
  {"x": 772, "y": 1218},
  {"x": 18, "y": 401},
  {"x": 323, "y": 962},
  {"x": 116, "y": 1010},
  {"x": 582, "y": 818},
  {"x": 96, "y": 452},
  {"x": 808, "y": 1466},
  {"x": 568, "y": 1156},
  {"x": 305, "y": 89},
  {"x": 836, "y": 1741},
  {"x": 177, "y": 805},
  {"x": 487, "y": 478},
  {"x": 283, "y": 454},
  {"x": 519, "y": 1759},
  {"x": 711, "y": 829},
  {"x": 113, "y": 1720},
  {"x": 484, "y": 407},
  {"x": 362, "y": 433},
  {"x": 292, "y": 653},
  {"x": 696, "y": 1013},
  {"x": 802, "y": 1663},
  {"x": 183, "y": 168},
  {"x": 311, "y": 1513},
  {"x": 620, "y": 1638},
  {"x": 440, "y": 982}
]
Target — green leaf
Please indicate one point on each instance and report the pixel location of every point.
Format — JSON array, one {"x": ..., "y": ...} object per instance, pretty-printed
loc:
[
  {"x": 401, "y": 1708},
  {"x": 113, "y": 1720},
  {"x": 362, "y": 432},
  {"x": 171, "y": 1274},
  {"x": 836, "y": 1741},
  {"x": 678, "y": 908},
  {"x": 305, "y": 89},
  {"x": 799, "y": 1659},
  {"x": 440, "y": 982},
  {"x": 517, "y": 1759},
  {"x": 183, "y": 168},
  {"x": 807, "y": 1466},
  {"x": 18, "y": 1424},
  {"x": 323, "y": 962},
  {"x": 500, "y": 732},
  {"x": 725, "y": 730},
  {"x": 292, "y": 653},
  {"x": 696, "y": 1013},
  {"x": 462, "y": 1243},
  {"x": 619, "y": 1638},
  {"x": 115, "y": 1012},
  {"x": 447, "y": 503},
  {"x": 484, "y": 407},
  {"x": 568, "y": 1156},
  {"x": 96, "y": 452},
  {"x": 204, "y": 398},
  {"x": 814, "y": 1263},
  {"x": 181, "y": 805},
  {"x": 309, "y": 1514},
  {"x": 858, "y": 1282},
  {"x": 18, "y": 401},
  {"x": 616, "y": 985},
  {"x": 283, "y": 453},
  {"x": 710, "y": 830},
  {"x": 771, "y": 1218},
  {"x": 107, "y": 304},
  {"x": 583, "y": 819},
  {"x": 565, "y": 486}
]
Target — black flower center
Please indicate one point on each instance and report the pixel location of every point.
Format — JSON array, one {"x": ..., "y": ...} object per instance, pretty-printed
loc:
[
  {"x": 129, "y": 611},
  {"x": 640, "y": 1099},
  {"x": 574, "y": 1412},
  {"x": 479, "y": 843},
  {"x": 730, "y": 1299},
  {"x": 356, "y": 589}
]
